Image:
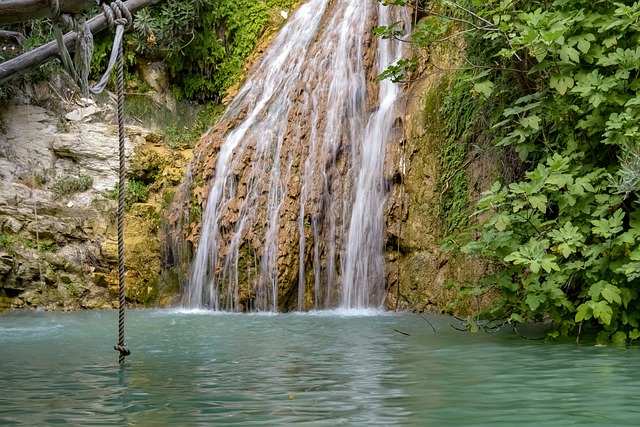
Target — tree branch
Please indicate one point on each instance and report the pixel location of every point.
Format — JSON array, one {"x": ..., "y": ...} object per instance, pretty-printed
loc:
[
  {"x": 18, "y": 38},
  {"x": 16, "y": 66},
  {"x": 12, "y": 11}
]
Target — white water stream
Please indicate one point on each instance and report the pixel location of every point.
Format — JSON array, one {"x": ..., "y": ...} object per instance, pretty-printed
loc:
[{"x": 316, "y": 71}]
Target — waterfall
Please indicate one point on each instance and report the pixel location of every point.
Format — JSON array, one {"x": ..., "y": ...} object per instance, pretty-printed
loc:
[
  {"x": 364, "y": 269},
  {"x": 295, "y": 188}
]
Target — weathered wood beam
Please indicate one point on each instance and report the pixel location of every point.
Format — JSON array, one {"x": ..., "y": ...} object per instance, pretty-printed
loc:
[
  {"x": 12, "y": 11},
  {"x": 18, "y": 38},
  {"x": 20, "y": 64}
]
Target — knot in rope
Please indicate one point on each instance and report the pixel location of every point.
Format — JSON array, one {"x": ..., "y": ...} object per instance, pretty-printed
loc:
[
  {"x": 117, "y": 14},
  {"x": 123, "y": 349}
]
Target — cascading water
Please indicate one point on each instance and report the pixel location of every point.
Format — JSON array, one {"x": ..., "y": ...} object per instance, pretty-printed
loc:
[
  {"x": 295, "y": 171},
  {"x": 365, "y": 267}
]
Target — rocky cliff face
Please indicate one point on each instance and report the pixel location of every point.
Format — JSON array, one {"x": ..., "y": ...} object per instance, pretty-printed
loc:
[
  {"x": 422, "y": 275},
  {"x": 305, "y": 265},
  {"x": 58, "y": 247},
  {"x": 58, "y": 241}
]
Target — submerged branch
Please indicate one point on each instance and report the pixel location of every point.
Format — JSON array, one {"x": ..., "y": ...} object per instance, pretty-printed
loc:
[{"x": 426, "y": 320}]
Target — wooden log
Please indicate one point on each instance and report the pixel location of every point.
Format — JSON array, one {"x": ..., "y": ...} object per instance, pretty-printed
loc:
[
  {"x": 18, "y": 38},
  {"x": 16, "y": 66},
  {"x": 12, "y": 11}
]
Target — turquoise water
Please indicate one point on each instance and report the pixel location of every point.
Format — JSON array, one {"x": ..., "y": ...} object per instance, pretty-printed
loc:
[{"x": 318, "y": 369}]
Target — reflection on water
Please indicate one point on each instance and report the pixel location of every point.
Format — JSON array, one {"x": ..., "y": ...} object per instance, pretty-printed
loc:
[{"x": 355, "y": 368}]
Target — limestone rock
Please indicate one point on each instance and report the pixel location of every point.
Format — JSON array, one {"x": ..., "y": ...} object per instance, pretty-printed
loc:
[
  {"x": 6, "y": 263},
  {"x": 81, "y": 113},
  {"x": 58, "y": 247}
]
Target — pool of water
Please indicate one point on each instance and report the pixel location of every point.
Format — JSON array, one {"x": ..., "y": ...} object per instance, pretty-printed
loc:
[{"x": 314, "y": 369}]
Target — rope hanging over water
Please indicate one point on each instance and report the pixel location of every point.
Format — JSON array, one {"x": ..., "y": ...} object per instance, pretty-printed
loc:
[{"x": 119, "y": 19}]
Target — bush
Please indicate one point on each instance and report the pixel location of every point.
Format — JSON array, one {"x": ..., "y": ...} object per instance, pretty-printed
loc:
[
  {"x": 566, "y": 234},
  {"x": 71, "y": 185}
]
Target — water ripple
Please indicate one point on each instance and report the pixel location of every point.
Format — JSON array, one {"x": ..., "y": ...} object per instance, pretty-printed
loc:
[{"x": 191, "y": 369}]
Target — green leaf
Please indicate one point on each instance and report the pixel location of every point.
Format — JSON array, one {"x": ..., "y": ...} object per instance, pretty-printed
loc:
[
  {"x": 595, "y": 290},
  {"x": 531, "y": 122},
  {"x": 515, "y": 317},
  {"x": 569, "y": 54},
  {"x": 634, "y": 334},
  {"x": 472, "y": 325},
  {"x": 533, "y": 301},
  {"x": 603, "y": 312},
  {"x": 485, "y": 88},
  {"x": 560, "y": 180},
  {"x": 619, "y": 338},
  {"x": 584, "y": 312},
  {"x": 584, "y": 45},
  {"x": 611, "y": 293},
  {"x": 539, "y": 202},
  {"x": 553, "y": 334},
  {"x": 608, "y": 227},
  {"x": 502, "y": 222},
  {"x": 627, "y": 295},
  {"x": 603, "y": 338},
  {"x": 561, "y": 83},
  {"x": 548, "y": 263}
]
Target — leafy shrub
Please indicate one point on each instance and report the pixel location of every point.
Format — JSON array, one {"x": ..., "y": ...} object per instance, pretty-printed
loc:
[
  {"x": 205, "y": 43},
  {"x": 566, "y": 235},
  {"x": 135, "y": 192},
  {"x": 5, "y": 240},
  {"x": 71, "y": 185}
]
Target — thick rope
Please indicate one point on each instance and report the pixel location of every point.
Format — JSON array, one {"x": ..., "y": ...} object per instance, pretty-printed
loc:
[
  {"x": 121, "y": 346},
  {"x": 56, "y": 20},
  {"x": 83, "y": 52},
  {"x": 119, "y": 19},
  {"x": 114, "y": 14},
  {"x": 78, "y": 69}
]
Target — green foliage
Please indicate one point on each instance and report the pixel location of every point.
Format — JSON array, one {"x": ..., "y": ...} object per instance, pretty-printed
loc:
[
  {"x": 71, "y": 289},
  {"x": 459, "y": 111},
  {"x": 228, "y": 32},
  {"x": 37, "y": 33},
  {"x": 181, "y": 128},
  {"x": 42, "y": 247},
  {"x": 72, "y": 184},
  {"x": 5, "y": 241},
  {"x": 195, "y": 211},
  {"x": 135, "y": 192},
  {"x": 47, "y": 247},
  {"x": 205, "y": 43},
  {"x": 567, "y": 234},
  {"x": 28, "y": 243},
  {"x": 6, "y": 92},
  {"x": 181, "y": 135}
]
